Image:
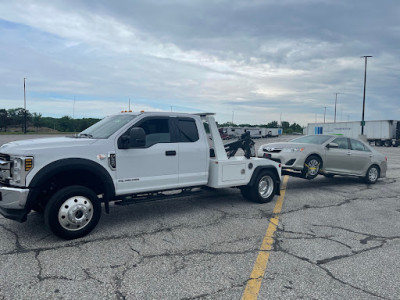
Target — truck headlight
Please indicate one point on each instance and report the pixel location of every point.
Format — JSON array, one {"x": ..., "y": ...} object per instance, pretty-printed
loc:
[
  {"x": 20, "y": 168},
  {"x": 292, "y": 149},
  {"x": 16, "y": 170}
]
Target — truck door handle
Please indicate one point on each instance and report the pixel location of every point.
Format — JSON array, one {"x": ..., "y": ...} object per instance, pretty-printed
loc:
[{"x": 170, "y": 153}]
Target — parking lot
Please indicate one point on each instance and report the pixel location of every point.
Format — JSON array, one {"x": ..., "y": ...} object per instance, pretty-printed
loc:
[{"x": 337, "y": 238}]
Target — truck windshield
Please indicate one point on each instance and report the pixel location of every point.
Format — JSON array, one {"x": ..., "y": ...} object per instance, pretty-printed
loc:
[
  {"x": 106, "y": 127},
  {"x": 312, "y": 139}
]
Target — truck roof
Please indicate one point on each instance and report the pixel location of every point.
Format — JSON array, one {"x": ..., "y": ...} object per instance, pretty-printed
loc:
[{"x": 161, "y": 113}]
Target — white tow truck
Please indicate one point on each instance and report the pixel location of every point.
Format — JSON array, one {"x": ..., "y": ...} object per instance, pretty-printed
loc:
[{"x": 124, "y": 158}]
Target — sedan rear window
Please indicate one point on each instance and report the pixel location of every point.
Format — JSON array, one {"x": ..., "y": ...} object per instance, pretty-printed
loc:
[{"x": 312, "y": 139}]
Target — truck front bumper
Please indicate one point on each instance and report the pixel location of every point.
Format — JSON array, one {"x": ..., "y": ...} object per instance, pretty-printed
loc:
[{"x": 12, "y": 203}]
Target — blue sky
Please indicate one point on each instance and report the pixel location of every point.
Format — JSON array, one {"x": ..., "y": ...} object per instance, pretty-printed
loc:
[{"x": 255, "y": 61}]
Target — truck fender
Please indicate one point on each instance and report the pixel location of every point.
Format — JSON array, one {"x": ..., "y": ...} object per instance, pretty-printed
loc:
[
  {"x": 259, "y": 169},
  {"x": 71, "y": 164}
]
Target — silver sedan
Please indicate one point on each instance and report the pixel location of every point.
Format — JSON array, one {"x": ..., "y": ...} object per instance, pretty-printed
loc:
[{"x": 329, "y": 155}]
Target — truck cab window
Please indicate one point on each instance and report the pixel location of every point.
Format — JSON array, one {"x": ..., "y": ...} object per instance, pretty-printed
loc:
[
  {"x": 187, "y": 131},
  {"x": 157, "y": 131}
]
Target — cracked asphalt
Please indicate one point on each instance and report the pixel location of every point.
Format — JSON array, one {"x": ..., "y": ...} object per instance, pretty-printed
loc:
[{"x": 337, "y": 238}]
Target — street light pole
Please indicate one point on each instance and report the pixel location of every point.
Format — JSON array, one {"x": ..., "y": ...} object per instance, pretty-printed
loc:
[
  {"x": 324, "y": 114},
  {"x": 24, "y": 107},
  {"x": 365, "y": 83},
  {"x": 335, "y": 106}
]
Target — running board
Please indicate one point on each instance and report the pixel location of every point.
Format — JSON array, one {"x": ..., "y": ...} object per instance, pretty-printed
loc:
[{"x": 151, "y": 197}]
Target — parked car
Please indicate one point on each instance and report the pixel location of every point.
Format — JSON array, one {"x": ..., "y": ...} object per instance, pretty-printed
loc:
[{"x": 327, "y": 155}]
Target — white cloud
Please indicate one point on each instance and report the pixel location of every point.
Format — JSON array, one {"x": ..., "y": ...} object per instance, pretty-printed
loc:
[{"x": 254, "y": 65}]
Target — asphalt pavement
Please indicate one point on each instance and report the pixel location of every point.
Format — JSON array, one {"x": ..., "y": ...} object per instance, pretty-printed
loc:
[{"x": 337, "y": 238}]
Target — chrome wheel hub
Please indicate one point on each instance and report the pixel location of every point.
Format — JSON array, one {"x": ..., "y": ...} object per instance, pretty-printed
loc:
[
  {"x": 265, "y": 187},
  {"x": 75, "y": 213}
]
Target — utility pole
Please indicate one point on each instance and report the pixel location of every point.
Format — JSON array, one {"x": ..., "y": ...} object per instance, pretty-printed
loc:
[
  {"x": 365, "y": 83},
  {"x": 335, "y": 106},
  {"x": 24, "y": 107},
  {"x": 73, "y": 110},
  {"x": 73, "y": 116}
]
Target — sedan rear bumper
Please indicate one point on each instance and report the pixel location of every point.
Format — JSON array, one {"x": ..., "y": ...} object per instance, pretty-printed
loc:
[{"x": 383, "y": 167}]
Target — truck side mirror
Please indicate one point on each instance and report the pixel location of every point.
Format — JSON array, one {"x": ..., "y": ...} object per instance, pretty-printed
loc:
[
  {"x": 123, "y": 142},
  {"x": 137, "y": 138},
  {"x": 332, "y": 145}
]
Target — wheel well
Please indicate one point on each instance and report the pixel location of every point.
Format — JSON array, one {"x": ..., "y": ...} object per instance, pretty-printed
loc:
[
  {"x": 260, "y": 169},
  {"x": 66, "y": 178}
]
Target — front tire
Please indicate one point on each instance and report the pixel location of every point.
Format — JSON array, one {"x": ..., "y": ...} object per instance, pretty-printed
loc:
[
  {"x": 264, "y": 189},
  {"x": 372, "y": 175},
  {"x": 72, "y": 212},
  {"x": 312, "y": 166}
]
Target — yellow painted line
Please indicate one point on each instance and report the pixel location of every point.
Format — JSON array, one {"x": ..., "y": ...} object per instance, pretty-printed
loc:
[{"x": 253, "y": 285}]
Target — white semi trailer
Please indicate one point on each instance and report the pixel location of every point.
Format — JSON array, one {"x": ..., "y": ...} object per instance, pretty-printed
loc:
[
  {"x": 384, "y": 132},
  {"x": 272, "y": 132}
]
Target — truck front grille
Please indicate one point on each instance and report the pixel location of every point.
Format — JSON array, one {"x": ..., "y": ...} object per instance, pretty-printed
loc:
[
  {"x": 4, "y": 157},
  {"x": 5, "y": 168}
]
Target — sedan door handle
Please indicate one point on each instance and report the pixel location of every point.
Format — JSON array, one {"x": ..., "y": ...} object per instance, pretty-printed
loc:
[
  {"x": 170, "y": 153},
  {"x": 348, "y": 153}
]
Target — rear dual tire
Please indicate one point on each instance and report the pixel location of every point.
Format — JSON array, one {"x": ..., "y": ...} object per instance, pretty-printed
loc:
[
  {"x": 263, "y": 190},
  {"x": 388, "y": 143}
]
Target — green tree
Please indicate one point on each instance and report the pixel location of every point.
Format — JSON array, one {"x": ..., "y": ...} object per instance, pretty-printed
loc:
[
  {"x": 65, "y": 124},
  {"x": 4, "y": 119},
  {"x": 296, "y": 127},
  {"x": 285, "y": 124},
  {"x": 273, "y": 124},
  {"x": 37, "y": 120},
  {"x": 17, "y": 117}
]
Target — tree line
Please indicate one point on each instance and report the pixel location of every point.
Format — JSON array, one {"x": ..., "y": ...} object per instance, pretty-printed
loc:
[
  {"x": 14, "y": 119},
  {"x": 286, "y": 126}
]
